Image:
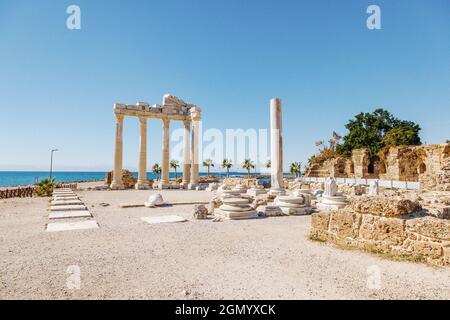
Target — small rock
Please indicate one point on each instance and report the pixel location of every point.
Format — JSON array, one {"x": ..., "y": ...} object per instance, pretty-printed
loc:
[{"x": 200, "y": 212}]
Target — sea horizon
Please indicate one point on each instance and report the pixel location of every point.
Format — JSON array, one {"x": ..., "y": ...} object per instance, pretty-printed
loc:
[{"x": 26, "y": 178}]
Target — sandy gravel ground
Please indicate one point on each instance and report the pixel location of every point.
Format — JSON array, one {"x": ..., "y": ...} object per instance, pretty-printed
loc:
[{"x": 126, "y": 258}]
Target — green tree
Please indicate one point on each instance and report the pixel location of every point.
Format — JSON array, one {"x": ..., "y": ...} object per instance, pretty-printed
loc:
[
  {"x": 208, "y": 163},
  {"x": 227, "y": 164},
  {"x": 400, "y": 136},
  {"x": 367, "y": 130},
  {"x": 296, "y": 168},
  {"x": 156, "y": 169},
  {"x": 45, "y": 187},
  {"x": 174, "y": 164},
  {"x": 248, "y": 165}
]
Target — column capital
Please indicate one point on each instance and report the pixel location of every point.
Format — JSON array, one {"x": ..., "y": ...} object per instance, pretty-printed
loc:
[
  {"x": 187, "y": 123},
  {"x": 196, "y": 116},
  {"x": 119, "y": 117},
  {"x": 142, "y": 120},
  {"x": 166, "y": 122}
]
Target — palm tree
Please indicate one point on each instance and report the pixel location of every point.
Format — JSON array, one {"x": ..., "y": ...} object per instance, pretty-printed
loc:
[
  {"x": 45, "y": 187},
  {"x": 174, "y": 164},
  {"x": 227, "y": 164},
  {"x": 268, "y": 164},
  {"x": 296, "y": 168},
  {"x": 156, "y": 169},
  {"x": 248, "y": 165},
  {"x": 208, "y": 163}
]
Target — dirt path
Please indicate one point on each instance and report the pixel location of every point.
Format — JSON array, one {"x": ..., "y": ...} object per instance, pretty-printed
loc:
[{"x": 125, "y": 258}]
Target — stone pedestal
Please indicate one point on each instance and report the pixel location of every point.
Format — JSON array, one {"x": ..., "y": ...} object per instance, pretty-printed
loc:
[
  {"x": 291, "y": 205},
  {"x": 253, "y": 192},
  {"x": 236, "y": 209},
  {"x": 239, "y": 188},
  {"x": 270, "y": 211},
  {"x": 331, "y": 200}
]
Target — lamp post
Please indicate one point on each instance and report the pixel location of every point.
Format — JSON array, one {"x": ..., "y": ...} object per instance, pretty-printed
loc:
[{"x": 51, "y": 161}]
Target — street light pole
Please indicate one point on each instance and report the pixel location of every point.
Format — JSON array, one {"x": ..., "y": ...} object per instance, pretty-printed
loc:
[{"x": 51, "y": 161}]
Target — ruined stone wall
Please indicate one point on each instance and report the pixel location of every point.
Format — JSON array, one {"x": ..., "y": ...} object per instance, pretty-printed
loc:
[
  {"x": 382, "y": 227},
  {"x": 428, "y": 164}
]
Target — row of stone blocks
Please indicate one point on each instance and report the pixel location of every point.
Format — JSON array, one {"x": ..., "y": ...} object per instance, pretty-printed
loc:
[
  {"x": 415, "y": 237},
  {"x": 67, "y": 205}
]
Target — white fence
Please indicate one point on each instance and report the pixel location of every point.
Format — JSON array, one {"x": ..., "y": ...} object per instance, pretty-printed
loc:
[{"x": 407, "y": 185}]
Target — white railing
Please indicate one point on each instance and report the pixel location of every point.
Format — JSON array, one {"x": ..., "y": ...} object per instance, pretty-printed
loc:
[{"x": 407, "y": 185}]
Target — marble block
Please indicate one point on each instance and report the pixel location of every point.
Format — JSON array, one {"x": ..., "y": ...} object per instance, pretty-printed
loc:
[
  {"x": 67, "y": 226},
  {"x": 163, "y": 219},
  {"x": 68, "y": 207},
  {"x": 69, "y": 214},
  {"x": 65, "y": 202}
]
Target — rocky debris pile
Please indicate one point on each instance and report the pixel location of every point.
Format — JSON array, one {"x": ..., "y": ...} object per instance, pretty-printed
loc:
[
  {"x": 215, "y": 203},
  {"x": 155, "y": 200},
  {"x": 127, "y": 178},
  {"x": 231, "y": 183},
  {"x": 384, "y": 206},
  {"x": 208, "y": 179},
  {"x": 200, "y": 212}
]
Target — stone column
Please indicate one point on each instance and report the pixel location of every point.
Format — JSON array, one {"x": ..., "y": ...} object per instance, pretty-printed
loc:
[
  {"x": 276, "y": 147},
  {"x": 186, "y": 153},
  {"x": 142, "y": 174},
  {"x": 118, "y": 154},
  {"x": 165, "y": 155},
  {"x": 194, "y": 149}
]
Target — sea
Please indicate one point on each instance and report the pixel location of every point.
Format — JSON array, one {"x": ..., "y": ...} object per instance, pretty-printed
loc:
[{"x": 25, "y": 178}]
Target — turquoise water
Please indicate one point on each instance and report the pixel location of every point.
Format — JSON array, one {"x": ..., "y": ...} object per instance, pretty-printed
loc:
[{"x": 22, "y": 178}]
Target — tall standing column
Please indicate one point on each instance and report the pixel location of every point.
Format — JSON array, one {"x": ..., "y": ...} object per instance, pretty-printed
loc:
[
  {"x": 186, "y": 153},
  {"x": 195, "y": 115},
  {"x": 165, "y": 154},
  {"x": 142, "y": 174},
  {"x": 118, "y": 154},
  {"x": 276, "y": 147}
]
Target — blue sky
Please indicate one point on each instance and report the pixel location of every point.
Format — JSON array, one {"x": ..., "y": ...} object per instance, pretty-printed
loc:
[{"x": 57, "y": 86}]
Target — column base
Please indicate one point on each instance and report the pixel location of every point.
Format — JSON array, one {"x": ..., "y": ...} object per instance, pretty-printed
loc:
[
  {"x": 163, "y": 185},
  {"x": 275, "y": 192},
  {"x": 184, "y": 184},
  {"x": 192, "y": 186},
  {"x": 141, "y": 186},
  {"x": 117, "y": 186}
]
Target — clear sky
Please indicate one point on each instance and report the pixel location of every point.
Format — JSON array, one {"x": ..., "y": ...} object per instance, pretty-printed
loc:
[{"x": 58, "y": 86}]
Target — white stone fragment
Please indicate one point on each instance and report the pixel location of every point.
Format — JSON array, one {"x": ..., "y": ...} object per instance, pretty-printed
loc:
[
  {"x": 68, "y": 207},
  {"x": 67, "y": 226},
  {"x": 154, "y": 200},
  {"x": 69, "y": 214},
  {"x": 163, "y": 219}
]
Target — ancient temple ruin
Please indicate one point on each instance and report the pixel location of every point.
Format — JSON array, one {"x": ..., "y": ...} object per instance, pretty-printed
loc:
[
  {"x": 171, "y": 109},
  {"x": 428, "y": 164}
]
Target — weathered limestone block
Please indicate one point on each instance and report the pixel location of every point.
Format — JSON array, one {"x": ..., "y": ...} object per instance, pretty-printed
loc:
[
  {"x": 382, "y": 206},
  {"x": 320, "y": 222},
  {"x": 345, "y": 224},
  {"x": 430, "y": 227},
  {"x": 391, "y": 231},
  {"x": 429, "y": 249}
]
